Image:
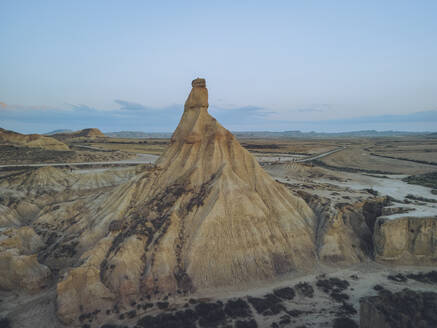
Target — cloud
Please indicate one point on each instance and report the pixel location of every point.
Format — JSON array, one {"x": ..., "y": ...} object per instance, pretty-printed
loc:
[
  {"x": 3, "y": 105},
  {"x": 309, "y": 110},
  {"x": 314, "y": 108},
  {"x": 130, "y": 116},
  {"x": 128, "y": 105}
]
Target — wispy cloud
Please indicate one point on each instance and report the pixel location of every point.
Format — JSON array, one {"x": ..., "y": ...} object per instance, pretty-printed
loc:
[
  {"x": 314, "y": 108},
  {"x": 129, "y": 105},
  {"x": 3, "y": 105},
  {"x": 137, "y": 117},
  {"x": 309, "y": 110}
]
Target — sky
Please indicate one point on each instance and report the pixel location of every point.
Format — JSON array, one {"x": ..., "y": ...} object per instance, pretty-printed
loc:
[{"x": 270, "y": 65}]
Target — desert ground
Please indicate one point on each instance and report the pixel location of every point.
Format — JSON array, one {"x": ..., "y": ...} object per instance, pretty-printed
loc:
[{"x": 338, "y": 172}]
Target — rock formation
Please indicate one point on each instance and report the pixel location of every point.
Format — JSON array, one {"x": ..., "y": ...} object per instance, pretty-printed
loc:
[
  {"x": 19, "y": 267},
  {"x": 207, "y": 216},
  {"x": 407, "y": 240},
  {"x": 344, "y": 232},
  {"x": 84, "y": 133},
  {"x": 30, "y": 140}
]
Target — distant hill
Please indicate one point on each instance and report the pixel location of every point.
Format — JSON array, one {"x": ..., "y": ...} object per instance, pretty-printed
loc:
[
  {"x": 85, "y": 133},
  {"x": 30, "y": 140},
  {"x": 312, "y": 134},
  {"x": 281, "y": 134},
  {"x": 138, "y": 134},
  {"x": 58, "y": 131}
]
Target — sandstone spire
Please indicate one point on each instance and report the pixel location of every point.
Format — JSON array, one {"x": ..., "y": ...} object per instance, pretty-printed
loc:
[{"x": 208, "y": 216}]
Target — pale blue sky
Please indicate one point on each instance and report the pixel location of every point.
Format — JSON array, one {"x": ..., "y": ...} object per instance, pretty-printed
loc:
[{"x": 277, "y": 65}]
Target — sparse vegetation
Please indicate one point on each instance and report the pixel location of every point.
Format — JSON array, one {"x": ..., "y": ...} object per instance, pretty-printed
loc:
[
  {"x": 237, "y": 309},
  {"x": 334, "y": 287},
  {"x": 398, "y": 277},
  {"x": 286, "y": 293},
  {"x": 429, "y": 278},
  {"x": 267, "y": 305},
  {"x": 421, "y": 199},
  {"x": 426, "y": 179},
  {"x": 5, "y": 323},
  {"x": 344, "y": 323},
  {"x": 305, "y": 289}
]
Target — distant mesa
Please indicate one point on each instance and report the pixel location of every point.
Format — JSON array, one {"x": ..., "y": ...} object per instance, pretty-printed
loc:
[
  {"x": 84, "y": 133},
  {"x": 30, "y": 140},
  {"x": 58, "y": 131},
  {"x": 90, "y": 132}
]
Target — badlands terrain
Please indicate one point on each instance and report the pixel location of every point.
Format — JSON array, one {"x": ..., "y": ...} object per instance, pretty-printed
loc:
[{"x": 207, "y": 230}]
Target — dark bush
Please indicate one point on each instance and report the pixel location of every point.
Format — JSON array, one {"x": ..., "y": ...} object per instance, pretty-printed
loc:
[
  {"x": 162, "y": 305},
  {"x": 429, "y": 278},
  {"x": 268, "y": 305},
  {"x": 210, "y": 314},
  {"x": 332, "y": 284},
  {"x": 132, "y": 314},
  {"x": 347, "y": 309},
  {"x": 237, "y": 308},
  {"x": 286, "y": 293},
  {"x": 5, "y": 323},
  {"x": 246, "y": 324},
  {"x": 305, "y": 289},
  {"x": 398, "y": 278},
  {"x": 181, "y": 319},
  {"x": 344, "y": 323},
  {"x": 339, "y": 297}
]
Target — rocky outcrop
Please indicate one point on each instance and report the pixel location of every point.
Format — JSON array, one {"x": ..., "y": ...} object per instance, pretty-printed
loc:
[
  {"x": 404, "y": 309},
  {"x": 408, "y": 240},
  {"x": 90, "y": 133},
  {"x": 344, "y": 232},
  {"x": 31, "y": 140},
  {"x": 19, "y": 266},
  {"x": 207, "y": 216}
]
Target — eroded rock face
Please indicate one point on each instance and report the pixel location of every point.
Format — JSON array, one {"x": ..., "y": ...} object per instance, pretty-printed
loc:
[
  {"x": 406, "y": 240},
  {"x": 344, "y": 233},
  {"x": 19, "y": 266},
  {"x": 404, "y": 309},
  {"x": 208, "y": 216}
]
